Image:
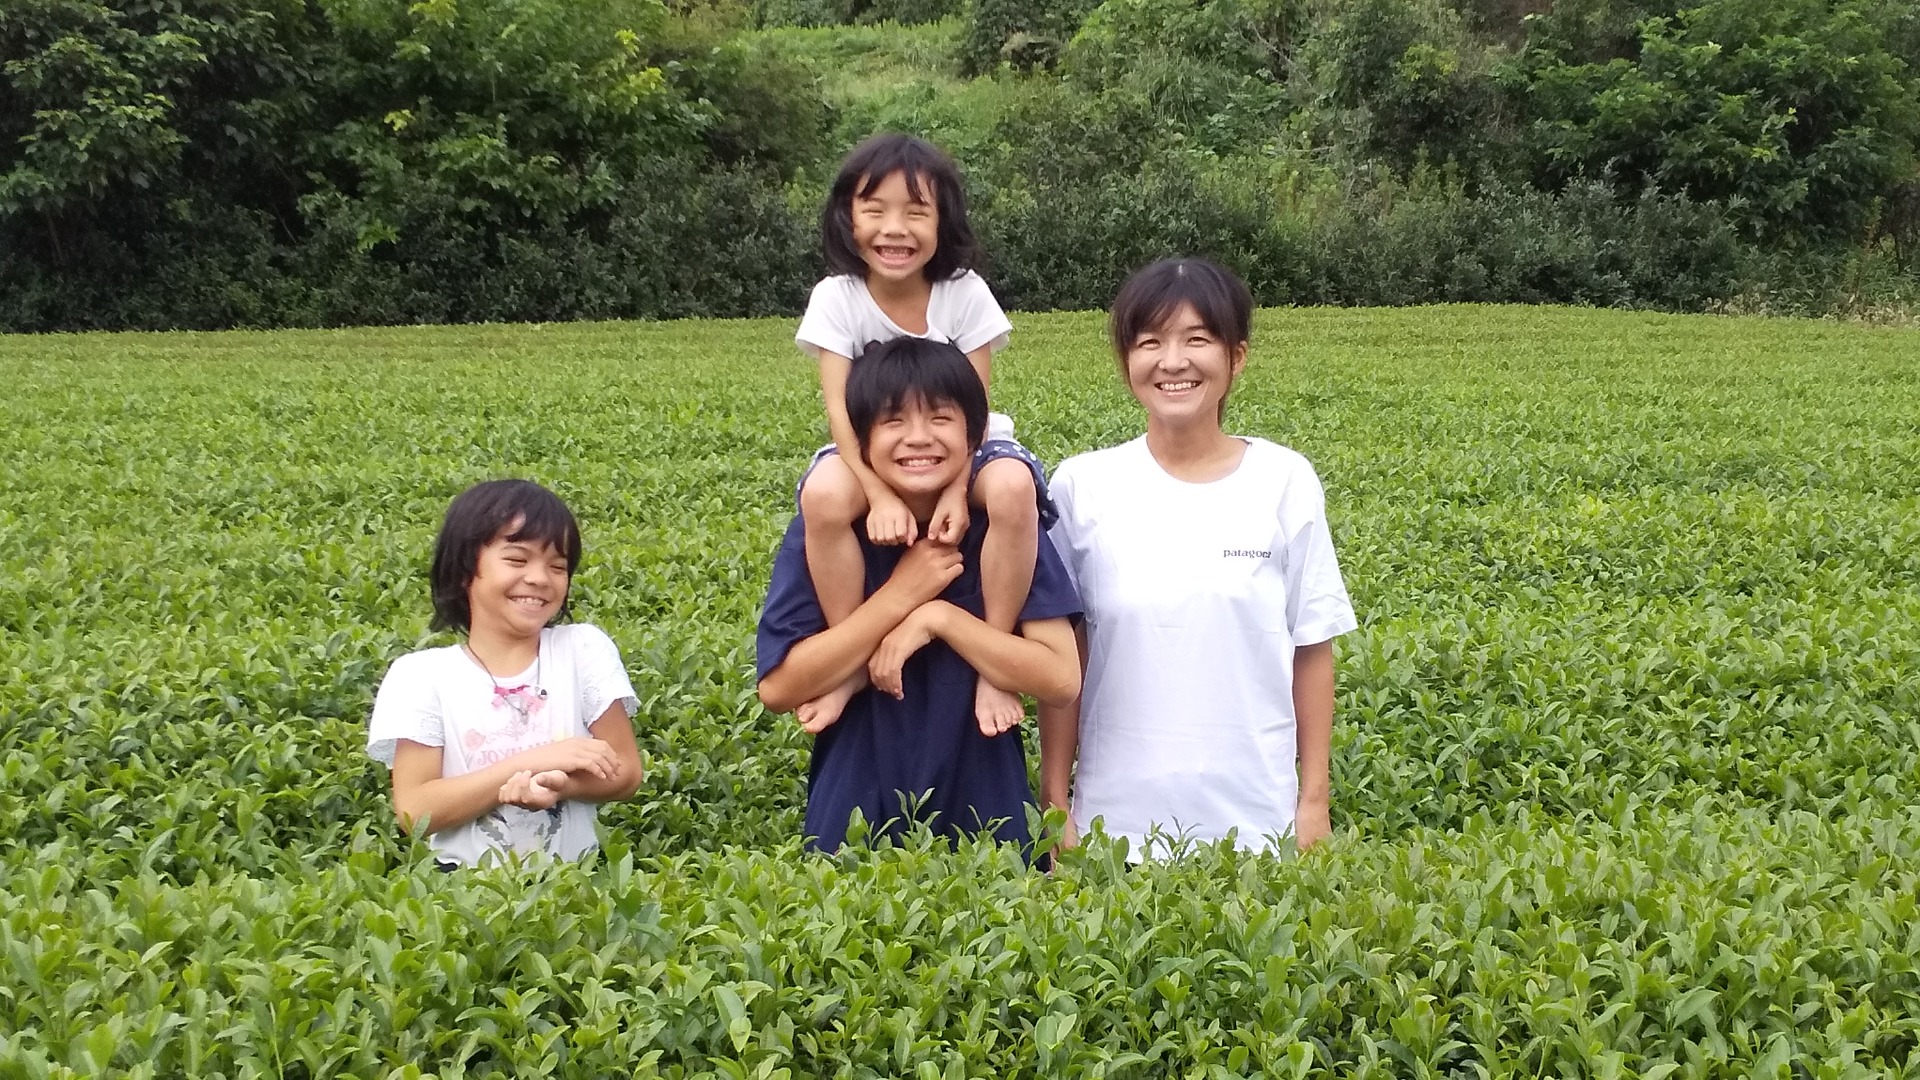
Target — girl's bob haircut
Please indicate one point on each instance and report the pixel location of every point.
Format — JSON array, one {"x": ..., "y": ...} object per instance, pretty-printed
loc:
[
  {"x": 1150, "y": 297},
  {"x": 924, "y": 165},
  {"x": 892, "y": 376},
  {"x": 511, "y": 510}
]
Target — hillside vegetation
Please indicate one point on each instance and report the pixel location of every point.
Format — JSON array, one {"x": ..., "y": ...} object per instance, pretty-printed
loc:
[{"x": 256, "y": 163}]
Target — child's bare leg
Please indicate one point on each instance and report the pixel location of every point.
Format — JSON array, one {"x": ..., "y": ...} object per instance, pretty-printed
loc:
[
  {"x": 831, "y": 502},
  {"x": 1004, "y": 489}
]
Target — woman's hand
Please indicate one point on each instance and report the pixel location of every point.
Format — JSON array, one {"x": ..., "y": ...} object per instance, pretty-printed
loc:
[
  {"x": 888, "y": 519},
  {"x": 912, "y": 635},
  {"x": 1312, "y": 823}
]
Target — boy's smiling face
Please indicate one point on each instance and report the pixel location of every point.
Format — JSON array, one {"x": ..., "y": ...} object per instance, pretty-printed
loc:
[{"x": 919, "y": 449}]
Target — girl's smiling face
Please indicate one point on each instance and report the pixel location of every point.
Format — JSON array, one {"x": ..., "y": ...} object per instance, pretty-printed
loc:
[
  {"x": 896, "y": 233},
  {"x": 1181, "y": 371},
  {"x": 518, "y": 586}
]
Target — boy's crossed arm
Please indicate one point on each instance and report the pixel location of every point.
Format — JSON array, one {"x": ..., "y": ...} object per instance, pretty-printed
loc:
[
  {"x": 1041, "y": 659},
  {"x": 825, "y": 660}
]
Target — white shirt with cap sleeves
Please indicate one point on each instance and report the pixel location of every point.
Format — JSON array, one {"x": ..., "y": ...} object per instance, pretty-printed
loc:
[
  {"x": 1196, "y": 596},
  {"x": 442, "y": 697},
  {"x": 843, "y": 317}
]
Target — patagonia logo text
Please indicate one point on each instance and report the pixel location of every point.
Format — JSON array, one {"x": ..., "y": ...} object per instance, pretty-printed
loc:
[{"x": 1245, "y": 553}]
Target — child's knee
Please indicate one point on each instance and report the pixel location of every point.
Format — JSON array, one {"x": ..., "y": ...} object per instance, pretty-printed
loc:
[
  {"x": 832, "y": 493},
  {"x": 1005, "y": 487}
]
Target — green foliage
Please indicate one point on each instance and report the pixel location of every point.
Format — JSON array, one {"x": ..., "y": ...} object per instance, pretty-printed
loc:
[
  {"x": 1623, "y": 767},
  {"x": 1796, "y": 114},
  {"x": 1024, "y": 34},
  {"x": 1400, "y": 81}
]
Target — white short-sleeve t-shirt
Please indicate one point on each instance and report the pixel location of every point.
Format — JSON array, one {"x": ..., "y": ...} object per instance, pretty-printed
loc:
[
  {"x": 1196, "y": 596},
  {"x": 843, "y": 317},
  {"x": 441, "y": 697}
]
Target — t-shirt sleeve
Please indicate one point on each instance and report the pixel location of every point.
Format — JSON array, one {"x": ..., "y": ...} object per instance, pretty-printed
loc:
[
  {"x": 601, "y": 675},
  {"x": 827, "y": 325},
  {"x": 1052, "y": 595},
  {"x": 407, "y": 706},
  {"x": 1060, "y": 490},
  {"x": 977, "y": 318},
  {"x": 1317, "y": 605},
  {"x": 792, "y": 613}
]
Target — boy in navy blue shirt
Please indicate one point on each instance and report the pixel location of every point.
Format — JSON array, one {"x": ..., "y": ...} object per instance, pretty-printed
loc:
[{"x": 908, "y": 745}]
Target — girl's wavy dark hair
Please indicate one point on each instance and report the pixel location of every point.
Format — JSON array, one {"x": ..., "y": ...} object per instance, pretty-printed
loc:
[
  {"x": 924, "y": 165},
  {"x": 512, "y": 510}
]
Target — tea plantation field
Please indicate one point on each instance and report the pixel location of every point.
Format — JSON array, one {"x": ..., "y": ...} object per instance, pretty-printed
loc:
[{"x": 1627, "y": 762}]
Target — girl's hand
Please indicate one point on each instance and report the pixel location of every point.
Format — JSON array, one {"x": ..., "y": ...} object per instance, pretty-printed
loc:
[
  {"x": 889, "y": 521},
  {"x": 912, "y": 635},
  {"x": 949, "y": 521},
  {"x": 578, "y": 754},
  {"x": 533, "y": 790}
]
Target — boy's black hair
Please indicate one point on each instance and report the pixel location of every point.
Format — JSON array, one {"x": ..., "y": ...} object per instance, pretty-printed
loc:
[
  {"x": 923, "y": 164},
  {"x": 907, "y": 369},
  {"x": 478, "y": 516},
  {"x": 1150, "y": 297}
]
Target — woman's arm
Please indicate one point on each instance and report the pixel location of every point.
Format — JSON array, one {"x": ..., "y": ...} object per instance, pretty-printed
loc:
[
  {"x": 1060, "y": 739},
  {"x": 1313, "y": 688},
  {"x": 826, "y": 659},
  {"x": 422, "y": 795},
  {"x": 1040, "y": 660}
]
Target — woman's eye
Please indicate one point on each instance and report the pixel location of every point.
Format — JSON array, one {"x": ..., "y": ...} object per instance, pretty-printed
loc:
[{"x": 512, "y": 561}]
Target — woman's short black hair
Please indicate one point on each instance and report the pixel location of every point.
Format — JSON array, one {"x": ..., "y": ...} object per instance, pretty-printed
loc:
[
  {"x": 1151, "y": 296},
  {"x": 924, "y": 165},
  {"x": 512, "y": 510},
  {"x": 908, "y": 369}
]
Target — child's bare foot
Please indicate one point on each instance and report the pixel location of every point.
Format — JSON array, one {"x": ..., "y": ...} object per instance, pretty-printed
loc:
[
  {"x": 819, "y": 714},
  {"x": 995, "y": 709}
]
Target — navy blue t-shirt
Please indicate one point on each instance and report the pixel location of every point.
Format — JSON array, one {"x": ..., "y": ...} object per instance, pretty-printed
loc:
[{"x": 924, "y": 751}]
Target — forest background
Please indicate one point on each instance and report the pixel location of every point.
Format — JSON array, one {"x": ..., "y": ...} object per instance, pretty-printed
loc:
[{"x": 255, "y": 163}]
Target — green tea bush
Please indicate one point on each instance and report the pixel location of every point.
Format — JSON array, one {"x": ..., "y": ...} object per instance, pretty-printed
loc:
[{"x": 1624, "y": 759}]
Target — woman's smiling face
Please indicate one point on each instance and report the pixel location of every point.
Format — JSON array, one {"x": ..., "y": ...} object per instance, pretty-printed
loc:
[{"x": 1181, "y": 371}]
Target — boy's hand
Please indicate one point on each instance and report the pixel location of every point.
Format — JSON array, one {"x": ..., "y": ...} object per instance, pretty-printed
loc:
[
  {"x": 949, "y": 521},
  {"x": 533, "y": 790},
  {"x": 924, "y": 572},
  {"x": 912, "y": 635},
  {"x": 889, "y": 521}
]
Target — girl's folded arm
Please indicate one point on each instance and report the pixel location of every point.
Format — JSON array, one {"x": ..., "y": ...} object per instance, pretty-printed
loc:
[
  {"x": 423, "y": 797},
  {"x": 615, "y": 729}
]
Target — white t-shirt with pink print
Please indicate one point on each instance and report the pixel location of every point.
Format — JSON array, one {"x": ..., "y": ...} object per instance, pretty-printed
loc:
[{"x": 441, "y": 697}]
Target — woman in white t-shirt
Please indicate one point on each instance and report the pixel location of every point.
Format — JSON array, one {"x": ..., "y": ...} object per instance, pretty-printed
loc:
[
  {"x": 1212, "y": 597},
  {"x": 508, "y": 741}
]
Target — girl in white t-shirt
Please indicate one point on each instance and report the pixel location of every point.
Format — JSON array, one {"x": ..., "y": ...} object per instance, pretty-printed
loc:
[
  {"x": 896, "y": 236},
  {"x": 508, "y": 741},
  {"x": 1211, "y": 591}
]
